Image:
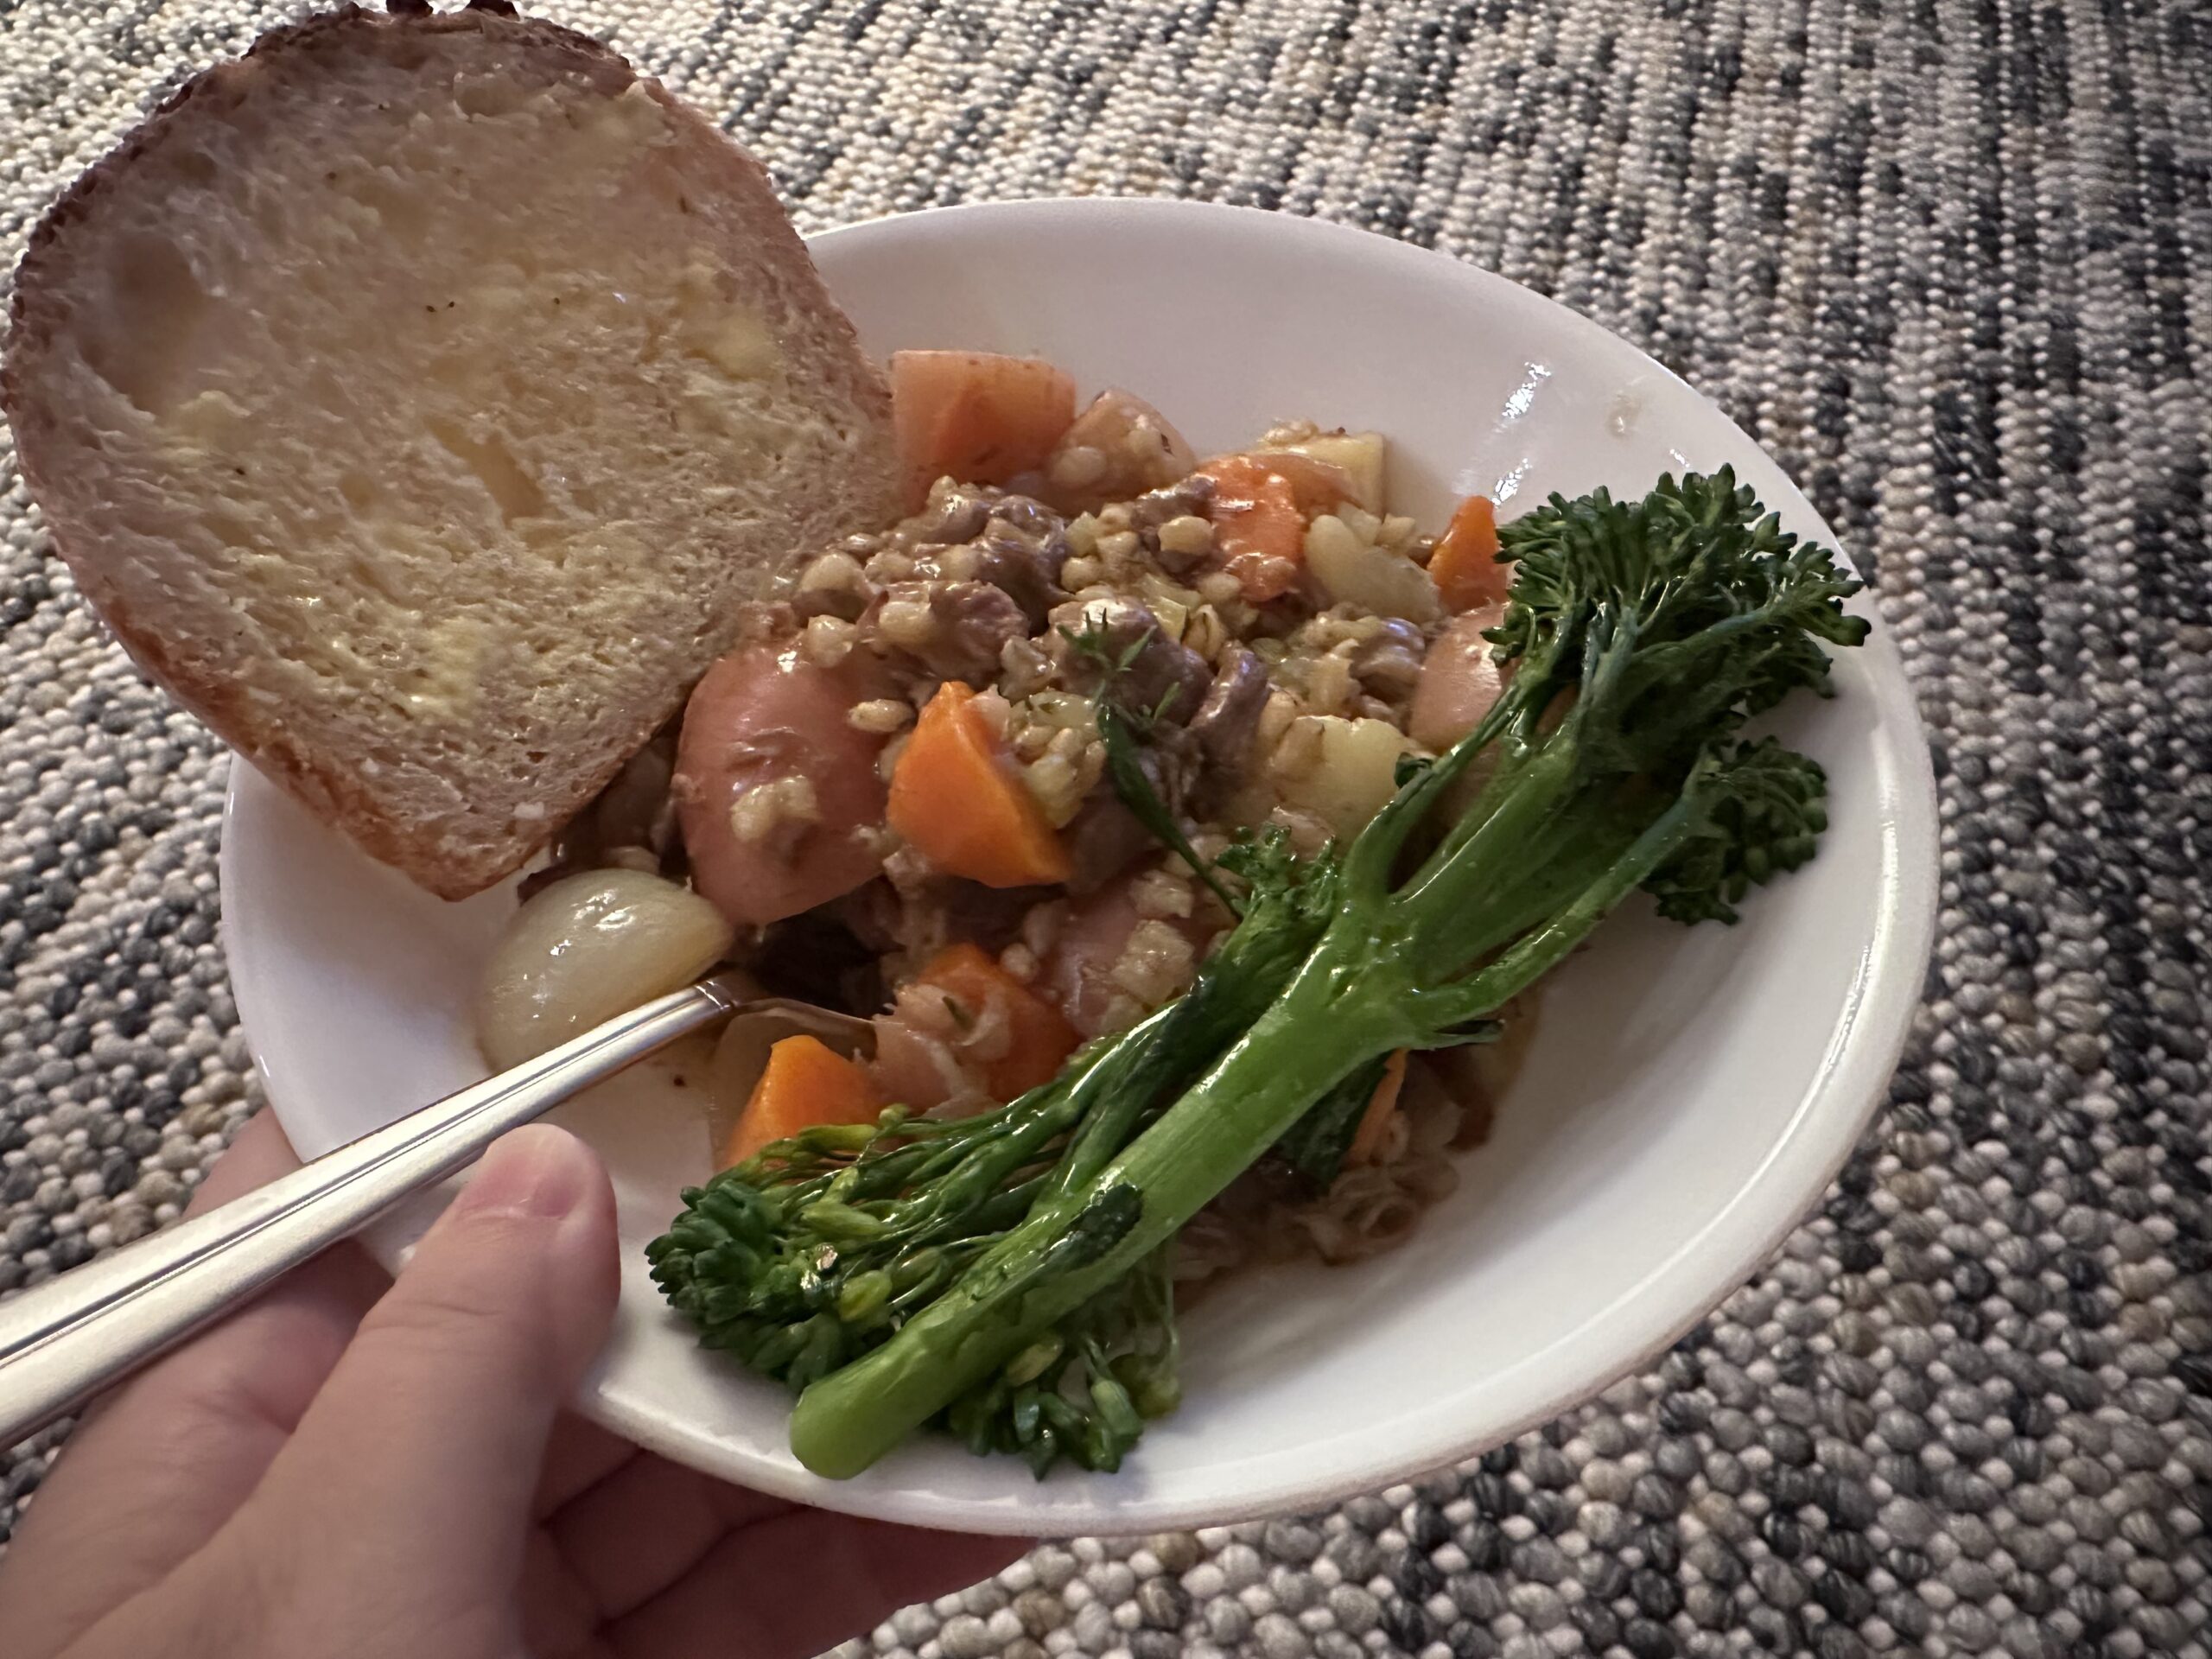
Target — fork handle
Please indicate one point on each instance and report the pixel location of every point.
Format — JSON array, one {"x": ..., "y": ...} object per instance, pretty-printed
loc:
[{"x": 69, "y": 1338}]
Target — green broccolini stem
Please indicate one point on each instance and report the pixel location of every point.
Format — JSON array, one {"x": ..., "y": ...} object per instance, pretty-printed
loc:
[
  {"x": 1353, "y": 1001},
  {"x": 848, "y": 1419},
  {"x": 1253, "y": 965}
]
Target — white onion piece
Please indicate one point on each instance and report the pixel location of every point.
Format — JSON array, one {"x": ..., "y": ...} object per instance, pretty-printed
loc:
[
  {"x": 1357, "y": 572},
  {"x": 586, "y": 948}
]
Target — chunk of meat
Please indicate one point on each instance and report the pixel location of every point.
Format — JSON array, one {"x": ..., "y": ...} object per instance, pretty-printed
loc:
[
  {"x": 1020, "y": 550},
  {"x": 953, "y": 515},
  {"x": 1150, "y": 514},
  {"x": 921, "y": 919},
  {"x": 1187, "y": 497},
  {"x": 916, "y": 1068},
  {"x": 1017, "y": 1038},
  {"x": 954, "y": 630},
  {"x": 1101, "y": 840},
  {"x": 1009, "y": 541},
  {"x": 1027, "y": 515},
  {"x": 632, "y": 822},
  {"x": 635, "y": 809},
  {"x": 1228, "y": 721},
  {"x": 1389, "y": 664},
  {"x": 1459, "y": 682},
  {"x": 1121, "y": 641},
  {"x": 773, "y": 784},
  {"x": 964, "y": 1031},
  {"x": 1077, "y": 975},
  {"x": 975, "y": 621}
]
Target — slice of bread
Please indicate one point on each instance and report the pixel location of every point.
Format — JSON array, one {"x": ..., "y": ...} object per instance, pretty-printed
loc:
[{"x": 418, "y": 398}]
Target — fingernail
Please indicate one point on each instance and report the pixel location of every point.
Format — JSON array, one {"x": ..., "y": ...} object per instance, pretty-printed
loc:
[{"x": 538, "y": 1171}]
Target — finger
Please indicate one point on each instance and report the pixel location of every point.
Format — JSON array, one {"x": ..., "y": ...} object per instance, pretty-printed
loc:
[
  {"x": 435, "y": 1423},
  {"x": 800, "y": 1581},
  {"x": 164, "y": 1461},
  {"x": 643, "y": 1527},
  {"x": 559, "y": 1619},
  {"x": 578, "y": 1457}
]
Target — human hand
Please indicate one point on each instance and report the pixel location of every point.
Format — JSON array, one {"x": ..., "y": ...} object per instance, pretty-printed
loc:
[{"x": 351, "y": 1471}]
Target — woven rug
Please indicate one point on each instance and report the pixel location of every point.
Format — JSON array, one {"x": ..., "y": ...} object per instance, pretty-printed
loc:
[{"x": 1952, "y": 262}]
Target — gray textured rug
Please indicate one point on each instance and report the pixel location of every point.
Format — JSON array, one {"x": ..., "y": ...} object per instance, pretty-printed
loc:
[{"x": 1952, "y": 262}]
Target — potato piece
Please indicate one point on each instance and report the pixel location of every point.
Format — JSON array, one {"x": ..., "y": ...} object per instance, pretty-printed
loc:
[
  {"x": 1119, "y": 446},
  {"x": 980, "y": 417},
  {"x": 764, "y": 720},
  {"x": 1354, "y": 775},
  {"x": 1459, "y": 682},
  {"x": 586, "y": 948},
  {"x": 1353, "y": 570}
]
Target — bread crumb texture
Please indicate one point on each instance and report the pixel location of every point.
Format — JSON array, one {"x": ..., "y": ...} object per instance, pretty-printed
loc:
[{"x": 419, "y": 398}]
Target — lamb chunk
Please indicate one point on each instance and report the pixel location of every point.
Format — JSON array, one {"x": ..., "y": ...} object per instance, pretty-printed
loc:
[
  {"x": 1121, "y": 640},
  {"x": 954, "y": 630},
  {"x": 1020, "y": 550},
  {"x": 1227, "y": 722}
]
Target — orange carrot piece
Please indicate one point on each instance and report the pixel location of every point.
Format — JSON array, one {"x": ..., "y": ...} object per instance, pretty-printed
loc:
[
  {"x": 1257, "y": 525},
  {"x": 957, "y": 799},
  {"x": 806, "y": 1082},
  {"x": 977, "y": 417},
  {"x": 1464, "y": 566},
  {"x": 1381, "y": 1105},
  {"x": 1041, "y": 1038}
]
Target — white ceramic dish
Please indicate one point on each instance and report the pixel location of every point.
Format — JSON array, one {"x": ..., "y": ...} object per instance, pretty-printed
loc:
[{"x": 1690, "y": 1092}]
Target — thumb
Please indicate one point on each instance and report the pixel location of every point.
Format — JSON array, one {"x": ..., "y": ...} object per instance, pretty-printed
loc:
[{"x": 421, "y": 1451}]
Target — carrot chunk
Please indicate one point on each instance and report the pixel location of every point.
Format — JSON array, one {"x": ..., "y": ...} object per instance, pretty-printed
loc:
[
  {"x": 956, "y": 799},
  {"x": 806, "y": 1082},
  {"x": 1257, "y": 525},
  {"x": 1381, "y": 1106},
  {"x": 1464, "y": 566},
  {"x": 1040, "y": 1037}
]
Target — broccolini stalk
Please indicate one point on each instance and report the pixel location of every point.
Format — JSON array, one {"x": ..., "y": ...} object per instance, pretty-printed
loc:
[
  {"x": 816, "y": 1248},
  {"x": 1641, "y": 637}
]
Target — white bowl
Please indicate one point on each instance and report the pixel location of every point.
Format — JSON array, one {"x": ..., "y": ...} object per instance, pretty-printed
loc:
[{"x": 1690, "y": 1091}]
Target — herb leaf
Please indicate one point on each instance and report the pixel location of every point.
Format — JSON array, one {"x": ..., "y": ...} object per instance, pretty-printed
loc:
[{"x": 1125, "y": 770}]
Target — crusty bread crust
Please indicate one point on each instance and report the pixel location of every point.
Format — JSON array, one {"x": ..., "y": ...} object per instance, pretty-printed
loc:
[{"x": 428, "y": 817}]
